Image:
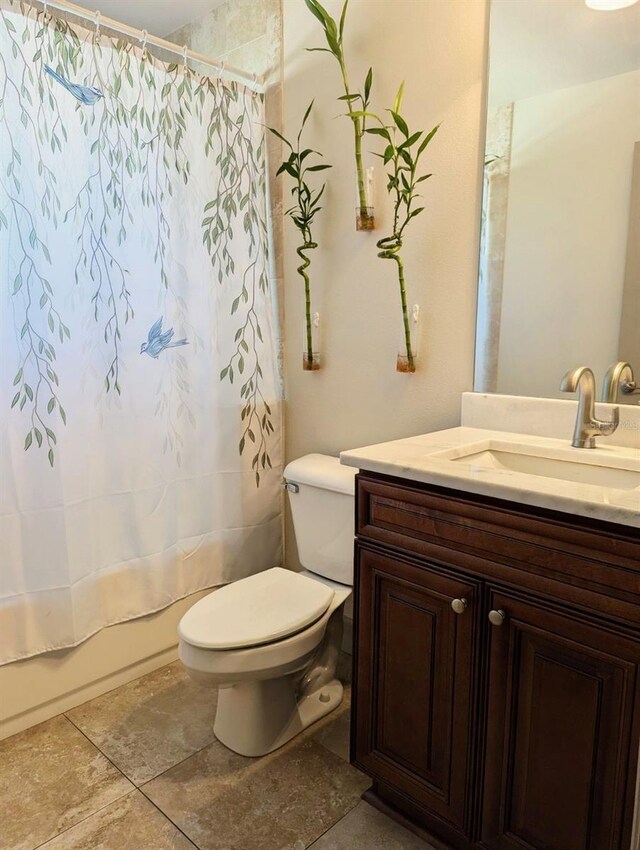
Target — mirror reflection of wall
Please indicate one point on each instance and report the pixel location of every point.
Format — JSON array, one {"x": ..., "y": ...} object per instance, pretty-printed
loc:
[{"x": 559, "y": 282}]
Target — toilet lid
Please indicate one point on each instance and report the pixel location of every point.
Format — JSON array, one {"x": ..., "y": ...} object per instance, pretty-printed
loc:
[{"x": 257, "y": 610}]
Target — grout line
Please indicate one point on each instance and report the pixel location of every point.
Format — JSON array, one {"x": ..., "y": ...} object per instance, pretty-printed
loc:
[
  {"x": 133, "y": 789},
  {"x": 166, "y": 817},
  {"x": 120, "y": 770},
  {"x": 329, "y": 828},
  {"x": 88, "y": 817},
  {"x": 181, "y": 761},
  {"x": 104, "y": 755}
]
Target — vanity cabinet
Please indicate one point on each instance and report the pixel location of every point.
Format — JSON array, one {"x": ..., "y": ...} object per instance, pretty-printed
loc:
[
  {"x": 416, "y": 663},
  {"x": 497, "y": 669}
]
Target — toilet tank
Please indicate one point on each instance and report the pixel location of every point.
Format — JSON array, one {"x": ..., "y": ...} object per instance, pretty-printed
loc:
[{"x": 323, "y": 515}]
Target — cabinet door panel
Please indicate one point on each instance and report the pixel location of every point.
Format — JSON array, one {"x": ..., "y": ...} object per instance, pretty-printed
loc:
[
  {"x": 560, "y": 732},
  {"x": 413, "y": 684}
]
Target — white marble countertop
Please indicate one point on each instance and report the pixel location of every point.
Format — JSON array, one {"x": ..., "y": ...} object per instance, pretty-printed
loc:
[{"x": 416, "y": 459}]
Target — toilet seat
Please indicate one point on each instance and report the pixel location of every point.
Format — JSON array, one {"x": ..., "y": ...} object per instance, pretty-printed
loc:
[{"x": 261, "y": 609}]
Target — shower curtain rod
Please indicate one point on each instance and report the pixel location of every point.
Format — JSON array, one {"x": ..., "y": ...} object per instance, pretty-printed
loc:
[{"x": 252, "y": 81}]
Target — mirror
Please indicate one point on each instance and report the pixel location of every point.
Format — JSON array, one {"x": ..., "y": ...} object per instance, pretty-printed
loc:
[{"x": 559, "y": 279}]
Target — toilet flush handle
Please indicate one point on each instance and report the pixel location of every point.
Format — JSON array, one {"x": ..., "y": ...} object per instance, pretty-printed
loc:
[{"x": 290, "y": 486}]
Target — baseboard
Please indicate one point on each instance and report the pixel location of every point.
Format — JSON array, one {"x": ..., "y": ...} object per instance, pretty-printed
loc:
[
  {"x": 38, "y": 688},
  {"x": 45, "y": 711}
]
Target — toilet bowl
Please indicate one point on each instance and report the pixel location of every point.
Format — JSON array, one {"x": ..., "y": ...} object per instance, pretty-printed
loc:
[{"x": 271, "y": 642}]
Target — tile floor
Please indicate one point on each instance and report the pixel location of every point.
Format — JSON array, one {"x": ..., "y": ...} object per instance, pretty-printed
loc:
[{"x": 140, "y": 769}]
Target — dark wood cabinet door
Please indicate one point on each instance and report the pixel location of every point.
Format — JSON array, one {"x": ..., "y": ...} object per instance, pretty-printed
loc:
[
  {"x": 413, "y": 682},
  {"x": 562, "y": 739}
]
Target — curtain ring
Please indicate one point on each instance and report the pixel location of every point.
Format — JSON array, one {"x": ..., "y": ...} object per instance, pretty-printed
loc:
[
  {"x": 98, "y": 24},
  {"x": 143, "y": 39},
  {"x": 45, "y": 3}
]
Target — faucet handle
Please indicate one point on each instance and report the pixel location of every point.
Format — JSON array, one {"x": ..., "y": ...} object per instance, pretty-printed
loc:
[{"x": 605, "y": 428}]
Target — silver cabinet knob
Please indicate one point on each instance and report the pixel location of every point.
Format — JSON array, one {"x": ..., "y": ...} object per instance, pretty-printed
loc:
[
  {"x": 497, "y": 618},
  {"x": 459, "y": 605}
]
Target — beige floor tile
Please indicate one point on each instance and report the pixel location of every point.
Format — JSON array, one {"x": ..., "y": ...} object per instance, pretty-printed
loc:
[
  {"x": 224, "y": 801},
  {"x": 151, "y": 724},
  {"x": 131, "y": 823},
  {"x": 52, "y": 777},
  {"x": 365, "y": 828},
  {"x": 333, "y": 730},
  {"x": 335, "y": 735}
]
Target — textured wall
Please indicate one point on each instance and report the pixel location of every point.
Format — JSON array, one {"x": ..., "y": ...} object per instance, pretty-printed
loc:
[
  {"x": 439, "y": 49},
  {"x": 244, "y": 33}
]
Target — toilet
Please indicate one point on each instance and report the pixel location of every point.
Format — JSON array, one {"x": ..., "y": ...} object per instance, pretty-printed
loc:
[{"x": 271, "y": 642}]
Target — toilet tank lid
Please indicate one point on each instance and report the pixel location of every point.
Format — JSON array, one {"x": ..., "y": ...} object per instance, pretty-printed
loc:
[{"x": 322, "y": 471}]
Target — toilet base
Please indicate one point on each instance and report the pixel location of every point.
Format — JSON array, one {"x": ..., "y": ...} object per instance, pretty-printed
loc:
[{"x": 256, "y": 718}]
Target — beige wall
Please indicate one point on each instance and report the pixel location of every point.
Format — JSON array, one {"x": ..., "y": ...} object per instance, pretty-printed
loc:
[{"x": 438, "y": 47}]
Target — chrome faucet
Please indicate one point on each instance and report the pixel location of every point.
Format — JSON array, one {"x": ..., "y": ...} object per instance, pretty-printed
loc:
[
  {"x": 618, "y": 376},
  {"x": 587, "y": 428}
]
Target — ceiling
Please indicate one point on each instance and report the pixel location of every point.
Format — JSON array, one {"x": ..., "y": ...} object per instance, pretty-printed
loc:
[
  {"x": 544, "y": 45},
  {"x": 159, "y": 17}
]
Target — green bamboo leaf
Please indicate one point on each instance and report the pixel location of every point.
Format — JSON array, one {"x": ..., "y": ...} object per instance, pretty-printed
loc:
[
  {"x": 343, "y": 17},
  {"x": 279, "y": 136},
  {"x": 367, "y": 84},
  {"x": 378, "y": 131},
  {"x": 316, "y": 10},
  {"x": 427, "y": 139},
  {"x": 413, "y": 138},
  {"x": 400, "y": 123},
  {"x": 397, "y": 102},
  {"x": 304, "y": 120},
  {"x": 51, "y": 457}
]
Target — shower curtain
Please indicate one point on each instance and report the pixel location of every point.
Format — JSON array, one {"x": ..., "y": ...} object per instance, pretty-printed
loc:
[{"x": 139, "y": 385}]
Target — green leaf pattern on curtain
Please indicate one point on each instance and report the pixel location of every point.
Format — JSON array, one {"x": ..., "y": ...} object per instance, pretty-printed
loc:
[{"x": 138, "y": 129}]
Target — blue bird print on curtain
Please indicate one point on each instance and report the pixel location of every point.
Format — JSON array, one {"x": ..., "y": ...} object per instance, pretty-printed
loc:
[
  {"x": 158, "y": 341},
  {"x": 89, "y": 95}
]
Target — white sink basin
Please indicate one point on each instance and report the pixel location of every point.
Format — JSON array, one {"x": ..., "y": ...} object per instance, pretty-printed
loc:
[{"x": 582, "y": 466}]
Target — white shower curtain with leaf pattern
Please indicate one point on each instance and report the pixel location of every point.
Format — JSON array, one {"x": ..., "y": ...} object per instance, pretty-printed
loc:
[{"x": 139, "y": 386}]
